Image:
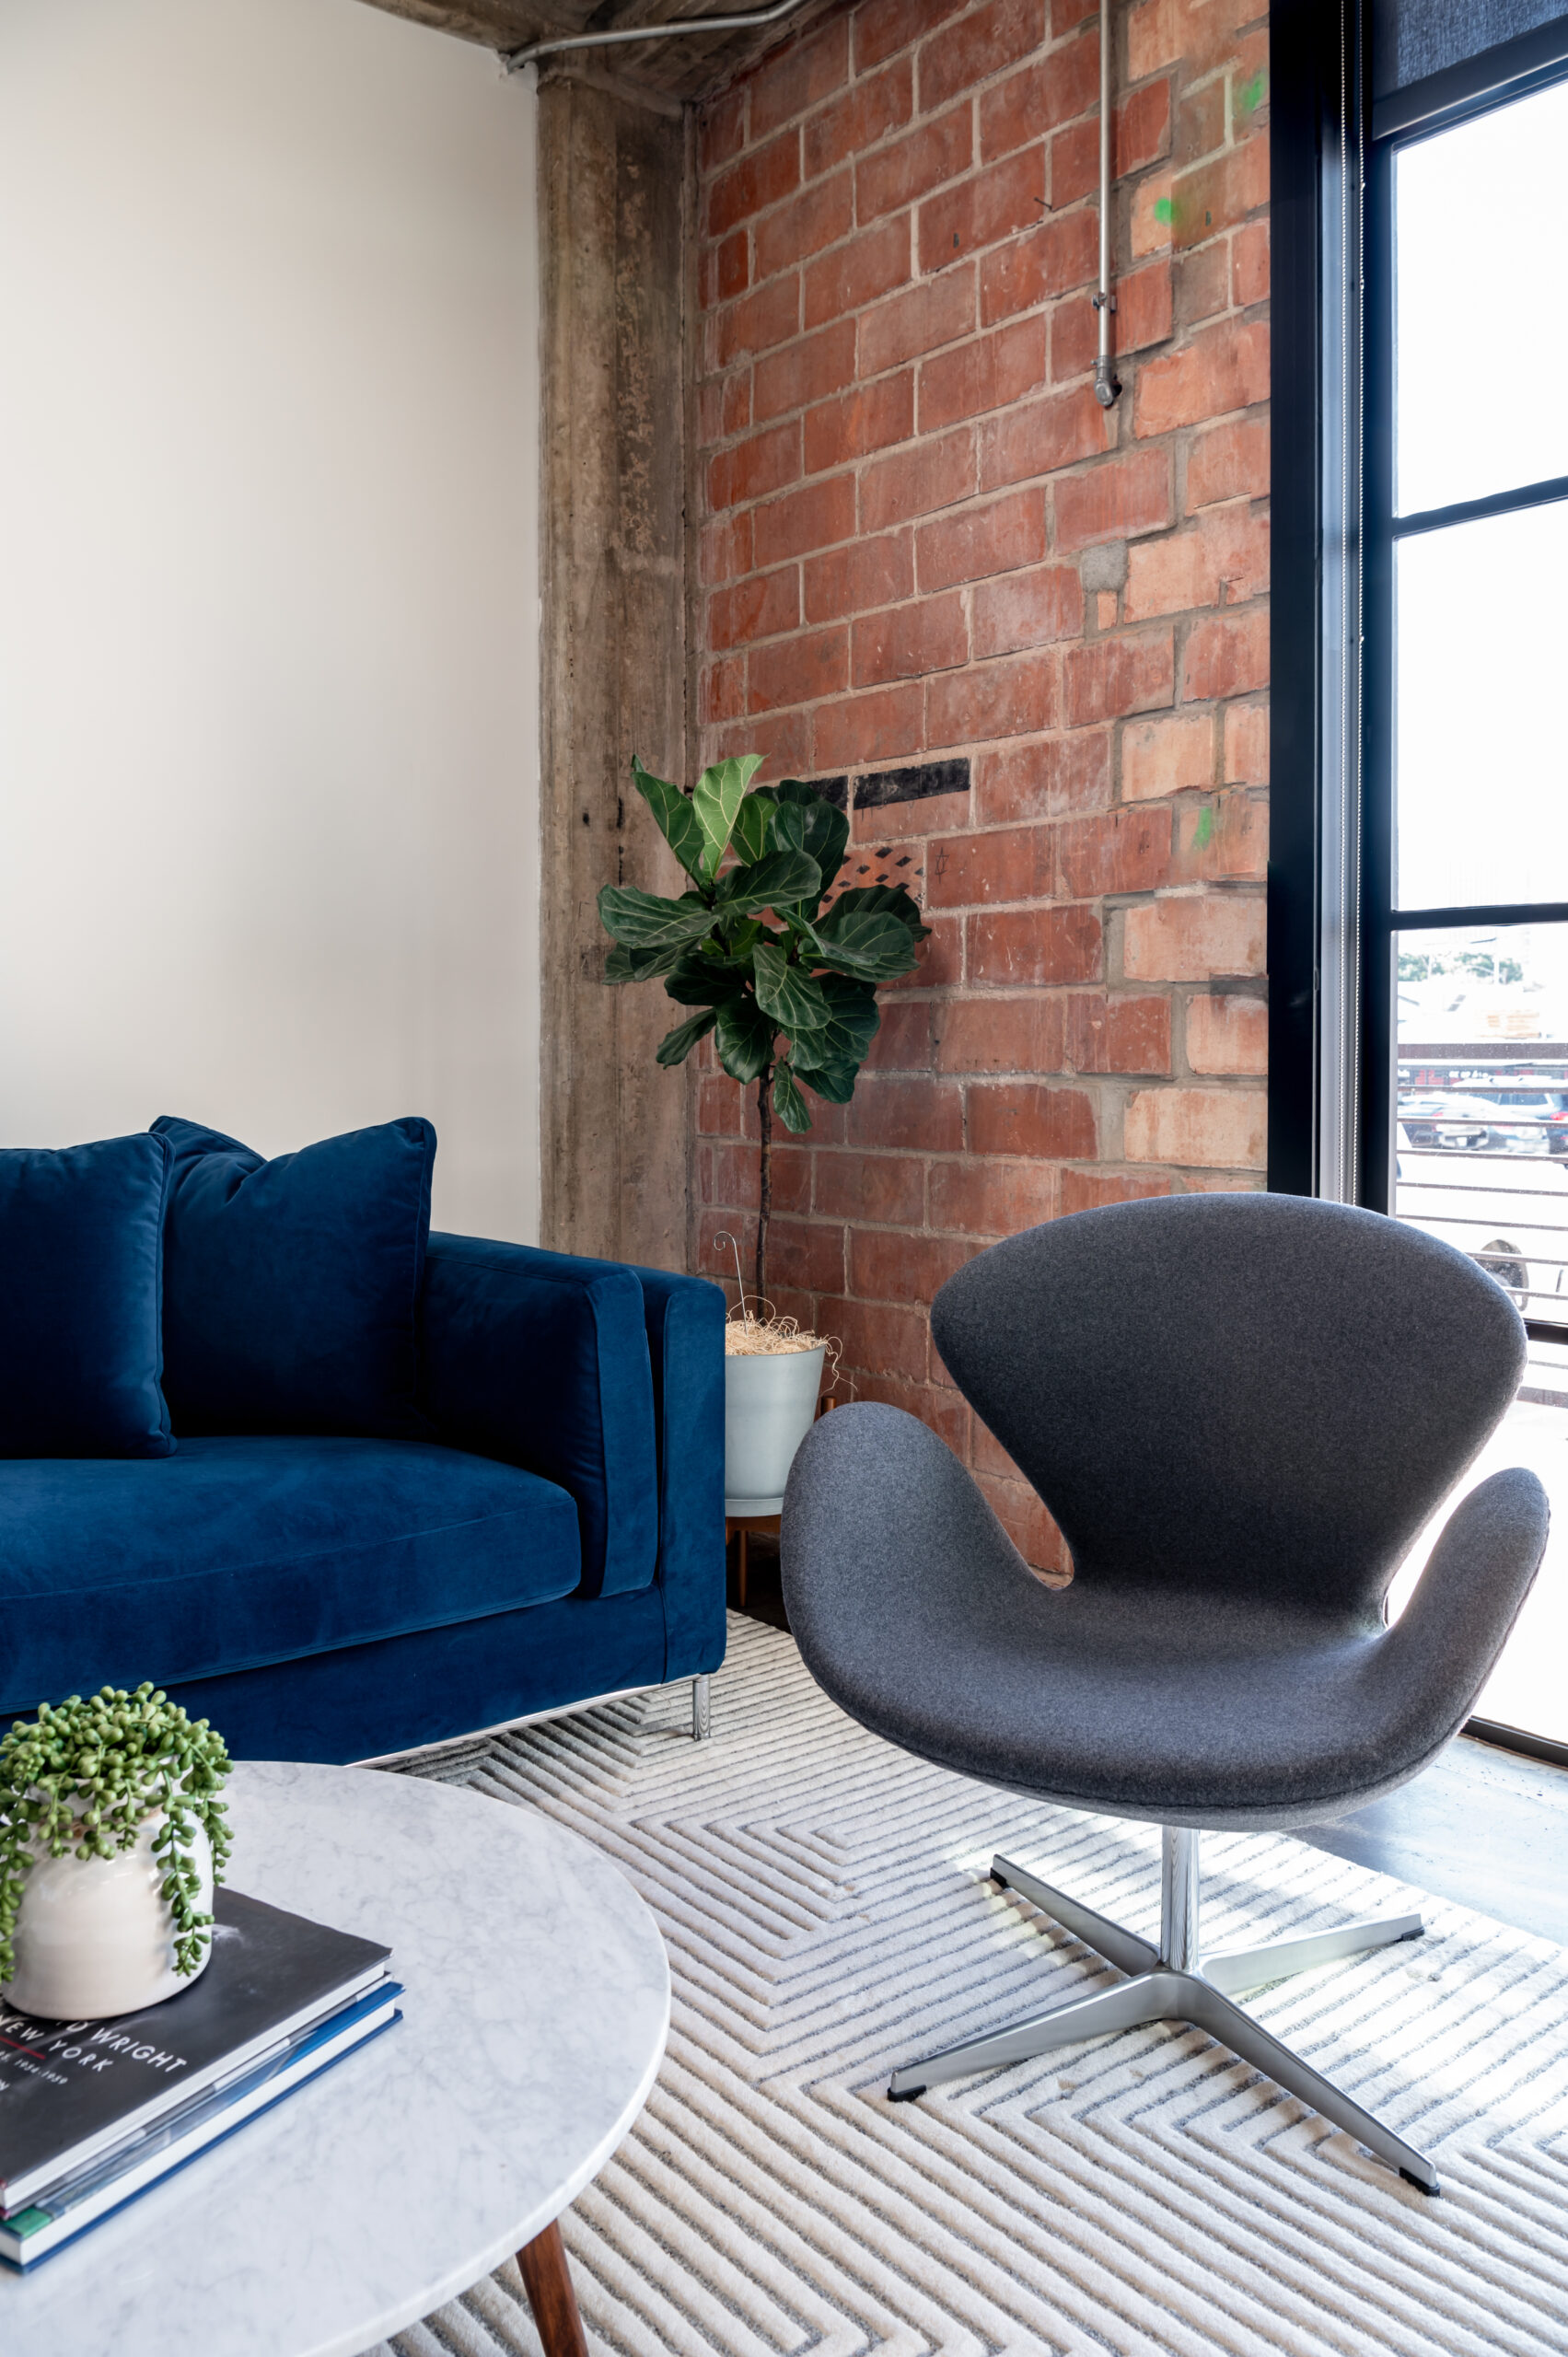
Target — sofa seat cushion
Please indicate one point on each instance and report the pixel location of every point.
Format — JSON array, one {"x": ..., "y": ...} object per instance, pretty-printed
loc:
[{"x": 239, "y": 1551}]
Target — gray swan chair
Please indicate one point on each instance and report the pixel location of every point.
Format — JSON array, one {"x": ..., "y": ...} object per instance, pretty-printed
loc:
[{"x": 1241, "y": 1409}]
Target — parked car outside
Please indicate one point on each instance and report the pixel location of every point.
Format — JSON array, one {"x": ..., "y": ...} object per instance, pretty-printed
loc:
[
  {"x": 1534, "y": 1120},
  {"x": 1447, "y": 1119}
]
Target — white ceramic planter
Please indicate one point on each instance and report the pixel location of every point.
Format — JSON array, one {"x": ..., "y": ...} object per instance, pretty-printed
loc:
[
  {"x": 94, "y": 1935},
  {"x": 768, "y": 1404}
]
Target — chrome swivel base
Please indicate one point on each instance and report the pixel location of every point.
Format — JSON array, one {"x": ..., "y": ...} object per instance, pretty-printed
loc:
[{"x": 1177, "y": 1983}]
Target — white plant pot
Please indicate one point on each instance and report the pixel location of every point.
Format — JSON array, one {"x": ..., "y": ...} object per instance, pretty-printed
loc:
[
  {"x": 95, "y": 1936},
  {"x": 769, "y": 1403}
]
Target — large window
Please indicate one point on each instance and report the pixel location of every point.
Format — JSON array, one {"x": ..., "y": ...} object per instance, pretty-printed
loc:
[
  {"x": 1464, "y": 911},
  {"x": 1418, "y": 912}
]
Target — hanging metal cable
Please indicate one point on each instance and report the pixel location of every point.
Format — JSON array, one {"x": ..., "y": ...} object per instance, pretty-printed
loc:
[
  {"x": 1107, "y": 385},
  {"x": 514, "y": 60}
]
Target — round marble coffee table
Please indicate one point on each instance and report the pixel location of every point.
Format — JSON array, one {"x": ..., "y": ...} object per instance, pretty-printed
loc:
[{"x": 535, "y": 2014}]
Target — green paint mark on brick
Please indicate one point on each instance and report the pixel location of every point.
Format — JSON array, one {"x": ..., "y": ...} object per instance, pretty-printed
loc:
[
  {"x": 1165, "y": 212},
  {"x": 1204, "y": 829},
  {"x": 1249, "y": 98}
]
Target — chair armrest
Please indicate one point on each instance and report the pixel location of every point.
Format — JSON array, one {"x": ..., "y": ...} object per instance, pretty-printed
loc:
[
  {"x": 685, "y": 1327},
  {"x": 1442, "y": 1650},
  {"x": 541, "y": 1359}
]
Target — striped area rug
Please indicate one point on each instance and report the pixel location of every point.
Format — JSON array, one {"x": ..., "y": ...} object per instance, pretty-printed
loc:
[{"x": 824, "y": 1904}]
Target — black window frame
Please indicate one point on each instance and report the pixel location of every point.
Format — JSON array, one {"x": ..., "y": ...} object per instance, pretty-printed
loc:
[
  {"x": 1497, "y": 78},
  {"x": 1331, "y": 1061},
  {"x": 1317, "y": 130},
  {"x": 1330, "y": 996}
]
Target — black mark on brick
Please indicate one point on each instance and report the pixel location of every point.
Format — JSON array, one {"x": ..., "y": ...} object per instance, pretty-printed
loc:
[{"x": 913, "y": 785}]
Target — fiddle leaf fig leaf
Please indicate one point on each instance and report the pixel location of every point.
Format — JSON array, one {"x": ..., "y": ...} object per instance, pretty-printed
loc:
[
  {"x": 696, "y": 979},
  {"x": 790, "y": 996},
  {"x": 716, "y": 803},
  {"x": 677, "y": 1045},
  {"x": 744, "y": 1038},
  {"x": 827, "y": 839},
  {"x": 623, "y": 965},
  {"x": 889, "y": 899},
  {"x": 778, "y": 881},
  {"x": 868, "y": 945},
  {"x": 788, "y": 1102},
  {"x": 643, "y": 921},
  {"x": 833, "y": 1080},
  {"x": 678, "y": 820},
  {"x": 854, "y": 1021},
  {"x": 789, "y": 826},
  {"x": 752, "y": 831},
  {"x": 826, "y": 829}
]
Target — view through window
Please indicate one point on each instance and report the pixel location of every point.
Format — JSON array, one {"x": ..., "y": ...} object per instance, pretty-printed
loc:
[{"x": 1478, "y": 1025}]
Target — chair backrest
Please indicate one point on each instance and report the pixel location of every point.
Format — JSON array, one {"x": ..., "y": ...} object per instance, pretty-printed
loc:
[{"x": 1251, "y": 1394}]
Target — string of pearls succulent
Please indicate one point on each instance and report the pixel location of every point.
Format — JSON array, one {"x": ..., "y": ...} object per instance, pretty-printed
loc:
[{"x": 84, "y": 1777}]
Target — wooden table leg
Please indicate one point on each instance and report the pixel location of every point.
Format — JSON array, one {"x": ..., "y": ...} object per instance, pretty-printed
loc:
[{"x": 554, "y": 2303}]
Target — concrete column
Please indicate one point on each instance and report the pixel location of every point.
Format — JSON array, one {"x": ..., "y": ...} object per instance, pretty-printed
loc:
[{"x": 613, "y": 176}]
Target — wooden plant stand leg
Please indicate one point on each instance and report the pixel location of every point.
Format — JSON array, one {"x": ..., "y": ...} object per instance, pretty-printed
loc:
[{"x": 548, "y": 2281}]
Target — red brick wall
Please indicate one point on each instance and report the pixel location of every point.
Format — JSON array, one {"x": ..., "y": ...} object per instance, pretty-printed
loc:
[{"x": 922, "y": 538}]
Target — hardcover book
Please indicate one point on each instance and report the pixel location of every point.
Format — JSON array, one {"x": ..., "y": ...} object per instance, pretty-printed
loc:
[
  {"x": 97, "y": 2188},
  {"x": 71, "y": 2090}
]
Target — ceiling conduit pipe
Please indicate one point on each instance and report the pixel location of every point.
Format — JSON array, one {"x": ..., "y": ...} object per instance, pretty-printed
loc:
[
  {"x": 1107, "y": 385},
  {"x": 514, "y": 60}
]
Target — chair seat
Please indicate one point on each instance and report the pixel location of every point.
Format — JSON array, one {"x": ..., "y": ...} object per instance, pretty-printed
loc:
[
  {"x": 916, "y": 1614},
  {"x": 1031, "y": 1693},
  {"x": 239, "y": 1551}
]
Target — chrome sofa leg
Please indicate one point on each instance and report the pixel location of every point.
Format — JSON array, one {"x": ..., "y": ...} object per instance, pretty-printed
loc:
[{"x": 702, "y": 1709}]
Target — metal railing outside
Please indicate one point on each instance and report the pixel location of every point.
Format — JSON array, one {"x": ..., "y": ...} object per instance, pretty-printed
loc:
[{"x": 1487, "y": 1175}]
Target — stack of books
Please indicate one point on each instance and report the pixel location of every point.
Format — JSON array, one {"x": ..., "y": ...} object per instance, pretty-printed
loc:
[{"x": 93, "y": 2113}]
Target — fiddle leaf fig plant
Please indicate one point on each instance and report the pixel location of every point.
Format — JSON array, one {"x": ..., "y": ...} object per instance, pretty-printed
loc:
[
  {"x": 84, "y": 1777},
  {"x": 781, "y": 970}
]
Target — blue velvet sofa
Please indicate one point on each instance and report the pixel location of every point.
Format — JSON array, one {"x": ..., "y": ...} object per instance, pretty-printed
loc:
[{"x": 561, "y": 1535}]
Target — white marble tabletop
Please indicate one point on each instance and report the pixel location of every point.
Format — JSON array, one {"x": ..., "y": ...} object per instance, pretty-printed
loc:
[{"x": 536, "y": 2009}]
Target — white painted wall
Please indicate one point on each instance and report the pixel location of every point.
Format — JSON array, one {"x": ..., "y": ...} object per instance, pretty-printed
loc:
[{"x": 269, "y": 599}]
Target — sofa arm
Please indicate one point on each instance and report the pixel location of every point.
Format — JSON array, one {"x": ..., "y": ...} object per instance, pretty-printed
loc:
[
  {"x": 685, "y": 1325},
  {"x": 541, "y": 1359}
]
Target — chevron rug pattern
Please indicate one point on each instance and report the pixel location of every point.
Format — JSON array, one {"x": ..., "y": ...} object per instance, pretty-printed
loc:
[{"x": 823, "y": 1900}]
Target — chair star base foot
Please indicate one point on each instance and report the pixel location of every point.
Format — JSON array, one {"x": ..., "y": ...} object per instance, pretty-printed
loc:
[{"x": 1199, "y": 1999}]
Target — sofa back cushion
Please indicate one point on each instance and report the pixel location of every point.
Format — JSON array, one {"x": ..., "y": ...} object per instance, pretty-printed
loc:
[
  {"x": 291, "y": 1287},
  {"x": 81, "y": 1248}
]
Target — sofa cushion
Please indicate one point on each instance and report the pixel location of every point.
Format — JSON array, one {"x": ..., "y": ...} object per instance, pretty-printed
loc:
[
  {"x": 239, "y": 1551},
  {"x": 291, "y": 1287},
  {"x": 81, "y": 1248}
]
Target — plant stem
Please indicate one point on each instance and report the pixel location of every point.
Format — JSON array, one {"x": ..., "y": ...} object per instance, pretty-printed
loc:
[{"x": 765, "y": 1189}]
